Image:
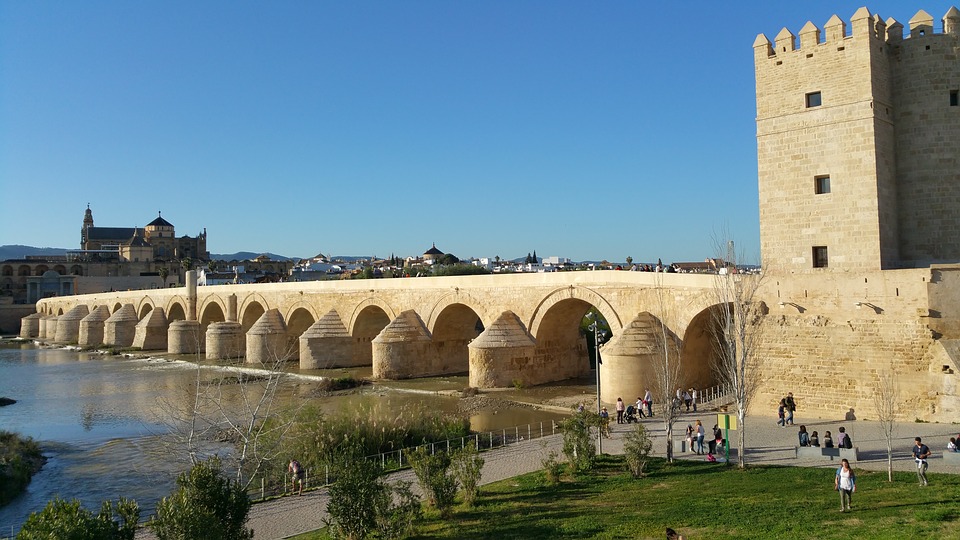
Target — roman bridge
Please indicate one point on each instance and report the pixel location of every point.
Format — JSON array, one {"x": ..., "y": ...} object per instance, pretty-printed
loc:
[{"x": 504, "y": 330}]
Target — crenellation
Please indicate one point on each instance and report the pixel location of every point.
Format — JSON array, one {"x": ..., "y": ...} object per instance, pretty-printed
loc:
[{"x": 921, "y": 24}]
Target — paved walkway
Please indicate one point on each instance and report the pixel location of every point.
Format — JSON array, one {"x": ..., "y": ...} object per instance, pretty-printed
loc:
[{"x": 767, "y": 443}]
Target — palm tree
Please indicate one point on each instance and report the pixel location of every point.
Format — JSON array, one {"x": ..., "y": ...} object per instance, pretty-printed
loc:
[{"x": 164, "y": 272}]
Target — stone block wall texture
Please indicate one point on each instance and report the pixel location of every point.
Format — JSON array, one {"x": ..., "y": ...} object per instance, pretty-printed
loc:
[{"x": 885, "y": 134}]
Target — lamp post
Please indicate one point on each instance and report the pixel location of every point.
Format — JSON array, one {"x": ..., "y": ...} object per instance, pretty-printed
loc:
[{"x": 596, "y": 362}]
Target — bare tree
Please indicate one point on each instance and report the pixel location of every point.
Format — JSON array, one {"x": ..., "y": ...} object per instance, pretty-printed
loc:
[
  {"x": 239, "y": 405},
  {"x": 886, "y": 399},
  {"x": 666, "y": 365},
  {"x": 737, "y": 323}
]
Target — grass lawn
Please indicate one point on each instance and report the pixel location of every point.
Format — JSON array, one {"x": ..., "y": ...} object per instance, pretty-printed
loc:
[{"x": 704, "y": 500}]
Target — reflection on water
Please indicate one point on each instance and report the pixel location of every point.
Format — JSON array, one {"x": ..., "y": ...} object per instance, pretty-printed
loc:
[{"x": 103, "y": 421}]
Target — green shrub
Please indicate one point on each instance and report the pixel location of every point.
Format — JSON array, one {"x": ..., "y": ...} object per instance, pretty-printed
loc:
[
  {"x": 578, "y": 444},
  {"x": 552, "y": 468},
  {"x": 467, "y": 470},
  {"x": 361, "y": 504},
  {"x": 205, "y": 505},
  {"x": 433, "y": 475},
  {"x": 636, "y": 450},
  {"x": 69, "y": 521}
]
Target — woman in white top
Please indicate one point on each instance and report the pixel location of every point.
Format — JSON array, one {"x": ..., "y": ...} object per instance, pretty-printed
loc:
[{"x": 846, "y": 483}]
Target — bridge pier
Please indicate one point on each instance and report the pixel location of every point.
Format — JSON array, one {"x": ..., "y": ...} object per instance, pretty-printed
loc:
[
  {"x": 501, "y": 354},
  {"x": 151, "y": 333},
  {"x": 68, "y": 326},
  {"x": 30, "y": 326},
  {"x": 327, "y": 344},
  {"x": 48, "y": 327},
  {"x": 184, "y": 337},
  {"x": 628, "y": 359},
  {"x": 267, "y": 341},
  {"x": 91, "y": 327},
  {"x": 404, "y": 350},
  {"x": 224, "y": 340},
  {"x": 121, "y": 327}
]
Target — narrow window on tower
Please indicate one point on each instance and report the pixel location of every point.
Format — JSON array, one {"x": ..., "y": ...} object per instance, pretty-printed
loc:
[
  {"x": 819, "y": 256},
  {"x": 821, "y": 184},
  {"x": 954, "y": 98},
  {"x": 813, "y": 99}
]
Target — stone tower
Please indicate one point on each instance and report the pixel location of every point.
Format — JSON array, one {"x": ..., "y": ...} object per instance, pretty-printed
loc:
[
  {"x": 160, "y": 234},
  {"x": 858, "y": 137},
  {"x": 87, "y": 224}
]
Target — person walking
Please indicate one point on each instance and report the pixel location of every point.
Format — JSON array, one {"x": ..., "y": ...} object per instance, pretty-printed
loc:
[
  {"x": 700, "y": 435},
  {"x": 846, "y": 483},
  {"x": 620, "y": 409},
  {"x": 920, "y": 453},
  {"x": 791, "y": 407},
  {"x": 648, "y": 399},
  {"x": 694, "y": 395},
  {"x": 781, "y": 421},
  {"x": 296, "y": 476}
]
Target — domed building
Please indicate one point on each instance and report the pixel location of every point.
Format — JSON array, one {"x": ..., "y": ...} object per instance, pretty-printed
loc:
[
  {"x": 156, "y": 242},
  {"x": 432, "y": 255}
]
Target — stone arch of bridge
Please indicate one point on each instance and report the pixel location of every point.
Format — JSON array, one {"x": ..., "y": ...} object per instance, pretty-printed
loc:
[
  {"x": 366, "y": 321},
  {"x": 144, "y": 307},
  {"x": 572, "y": 292},
  {"x": 364, "y": 309},
  {"x": 699, "y": 352},
  {"x": 212, "y": 310},
  {"x": 116, "y": 307},
  {"x": 454, "y": 327},
  {"x": 561, "y": 350},
  {"x": 298, "y": 320},
  {"x": 176, "y": 310},
  {"x": 59, "y": 311},
  {"x": 301, "y": 306},
  {"x": 250, "y": 308},
  {"x": 250, "y": 314},
  {"x": 457, "y": 297}
]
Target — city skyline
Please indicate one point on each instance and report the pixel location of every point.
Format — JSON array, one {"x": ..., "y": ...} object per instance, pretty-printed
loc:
[{"x": 599, "y": 132}]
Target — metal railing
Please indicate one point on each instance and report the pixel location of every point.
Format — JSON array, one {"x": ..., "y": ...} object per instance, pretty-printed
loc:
[{"x": 398, "y": 459}]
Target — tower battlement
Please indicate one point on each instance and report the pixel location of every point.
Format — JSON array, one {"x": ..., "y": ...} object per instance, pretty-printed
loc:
[
  {"x": 863, "y": 25},
  {"x": 858, "y": 144}
]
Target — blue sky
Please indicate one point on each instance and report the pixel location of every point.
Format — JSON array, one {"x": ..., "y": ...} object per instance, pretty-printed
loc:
[{"x": 589, "y": 130}]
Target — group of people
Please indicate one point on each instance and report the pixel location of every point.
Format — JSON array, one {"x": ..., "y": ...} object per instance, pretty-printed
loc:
[
  {"x": 686, "y": 397},
  {"x": 696, "y": 434},
  {"x": 785, "y": 410},
  {"x": 813, "y": 439},
  {"x": 625, "y": 413}
]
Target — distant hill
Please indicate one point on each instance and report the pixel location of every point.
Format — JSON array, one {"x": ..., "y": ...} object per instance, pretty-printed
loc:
[{"x": 20, "y": 252}]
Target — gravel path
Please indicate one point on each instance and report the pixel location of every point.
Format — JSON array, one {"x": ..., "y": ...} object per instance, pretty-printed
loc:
[{"x": 767, "y": 444}]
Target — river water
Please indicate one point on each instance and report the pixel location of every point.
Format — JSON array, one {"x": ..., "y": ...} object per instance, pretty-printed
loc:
[{"x": 104, "y": 421}]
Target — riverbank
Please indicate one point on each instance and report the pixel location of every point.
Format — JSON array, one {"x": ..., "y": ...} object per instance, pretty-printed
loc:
[{"x": 20, "y": 459}]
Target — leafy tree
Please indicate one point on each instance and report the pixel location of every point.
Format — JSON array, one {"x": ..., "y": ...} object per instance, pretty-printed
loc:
[
  {"x": 186, "y": 264},
  {"x": 164, "y": 272},
  {"x": 205, "y": 505},
  {"x": 460, "y": 270},
  {"x": 433, "y": 475},
  {"x": 449, "y": 259},
  {"x": 65, "y": 520},
  {"x": 629, "y": 260},
  {"x": 535, "y": 259},
  {"x": 578, "y": 444},
  {"x": 529, "y": 258},
  {"x": 467, "y": 469}
]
